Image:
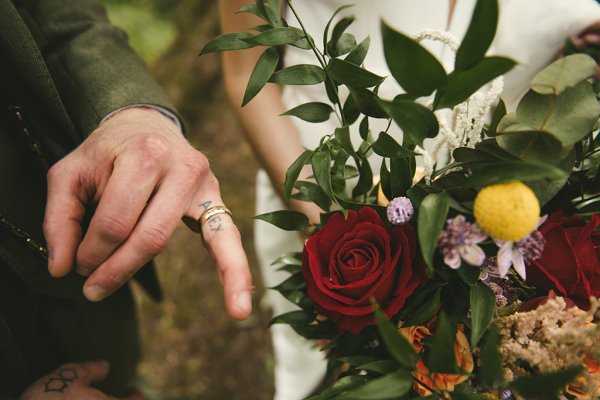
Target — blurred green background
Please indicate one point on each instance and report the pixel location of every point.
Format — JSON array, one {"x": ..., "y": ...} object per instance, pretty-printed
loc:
[{"x": 191, "y": 348}]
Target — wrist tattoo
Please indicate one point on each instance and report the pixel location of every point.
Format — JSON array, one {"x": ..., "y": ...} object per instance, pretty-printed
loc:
[{"x": 60, "y": 380}]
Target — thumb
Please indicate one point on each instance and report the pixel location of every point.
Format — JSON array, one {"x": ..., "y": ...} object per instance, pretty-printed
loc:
[{"x": 90, "y": 372}]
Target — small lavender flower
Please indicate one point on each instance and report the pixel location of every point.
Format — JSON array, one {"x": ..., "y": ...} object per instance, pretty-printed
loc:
[
  {"x": 502, "y": 287},
  {"x": 459, "y": 241},
  {"x": 519, "y": 253},
  {"x": 400, "y": 210}
]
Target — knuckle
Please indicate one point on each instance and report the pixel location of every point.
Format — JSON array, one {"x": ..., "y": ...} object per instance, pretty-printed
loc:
[
  {"x": 112, "y": 229},
  {"x": 196, "y": 164},
  {"x": 154, "y": 239},
  {"x": 152, "y": 150}
]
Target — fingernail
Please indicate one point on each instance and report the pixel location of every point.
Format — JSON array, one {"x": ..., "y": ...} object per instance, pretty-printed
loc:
[
  {"x": 243, "y": 302},
  {"x": 95, "y": 293}
]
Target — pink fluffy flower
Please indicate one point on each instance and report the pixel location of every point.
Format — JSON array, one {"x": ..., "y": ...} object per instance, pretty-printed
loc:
[{"x": 460, "y": 241}]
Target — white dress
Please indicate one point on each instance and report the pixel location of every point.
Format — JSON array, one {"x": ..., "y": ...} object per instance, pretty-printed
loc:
[{"x": 530, "y": 31}]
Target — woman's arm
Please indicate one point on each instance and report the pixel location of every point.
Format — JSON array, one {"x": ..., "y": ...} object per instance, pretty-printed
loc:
[{"x": 274, "y": 139}]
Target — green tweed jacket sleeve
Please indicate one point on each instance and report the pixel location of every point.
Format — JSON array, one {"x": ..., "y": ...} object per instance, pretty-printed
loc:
[{"x": 92, "y": 66}]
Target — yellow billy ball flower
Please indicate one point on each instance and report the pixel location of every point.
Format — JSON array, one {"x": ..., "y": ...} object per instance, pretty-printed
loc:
[{"x": 507, "y": 211}]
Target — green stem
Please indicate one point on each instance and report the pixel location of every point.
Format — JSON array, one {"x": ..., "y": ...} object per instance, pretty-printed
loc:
[{"x": 321, "y": 59}]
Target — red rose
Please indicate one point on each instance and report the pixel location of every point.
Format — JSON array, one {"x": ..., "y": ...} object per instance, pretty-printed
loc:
[
  {"x": 570, "y": 263},
  {"x": 350, "y": 261}
]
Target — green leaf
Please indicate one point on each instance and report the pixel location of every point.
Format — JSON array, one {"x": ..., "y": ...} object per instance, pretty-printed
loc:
[
  {"x": 286, "y": 219},
  {"x": 479, "y": 36},
  {"x": 414, "y": 68},
  {"x": 432, "y": 217},
  {"x": 416, "y": 121},
  {"x": 483, "y": 304},
  {"x": 290, "y": 259},
  {"x": 321, "y": 164},
  {"x": 301, "y": 74},
  {"x": 368, "y": 103},
  {"x": 274, "y": 13},
  {"x": 467, "y": 395},
  {"x": 499, "y": 113},
  {"x": 326, "y": 30},
  {"x": 315, "y": 194},
  {"x": 292, "y": 173},
  {"x": 333, "y": 45},
  {"x": 439, "y": 356},
  {"x": 291, "y": 284},
  {"x": 563, "y": 73},
  {"x": 311, "y": 112},
  {"x": 420, "y": 313},
  {"x": 343, "y": 384},
  {"x": 386, "y": 146},
  {"x": 391, "y": 386},
  {"x": 276, "y": 36},
  {"x": 381, "y": 367},
  {"x": 469, "y": 274},
  {"x": 365, "y": 178},
  {"x": 461, "y": 84},
  {"x": 264, "y": 68},
  {"x": 345, "y": 45},
  {"x": 350, "y": 110},
  {"x": 568, "y": 117},
  {"x": 346, "y": 73},
  {"x": 491, "y": 371},
  {"x": 397, "y": 345},
  {"x": 549, "y": 384},
  {"x": 402, "y": 171},
  {"x": 358, "y": 54},
  {"x": 343, "y": 137},
  {"x": 531, "y": 145},
  {"x": 226, "y": 42},
  {"x": 498, "y": 172}
]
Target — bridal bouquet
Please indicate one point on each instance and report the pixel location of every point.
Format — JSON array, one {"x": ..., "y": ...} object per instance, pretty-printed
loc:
[{"x": 468, "y": 265}]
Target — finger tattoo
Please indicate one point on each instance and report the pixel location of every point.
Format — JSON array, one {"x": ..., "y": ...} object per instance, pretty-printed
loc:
[{"x": 60, "y": 380}]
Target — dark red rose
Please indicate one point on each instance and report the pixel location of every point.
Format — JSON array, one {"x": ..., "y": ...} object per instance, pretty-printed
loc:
[
  {"x": 350, "y": 261},
  {"x": 570, "y": 263}
]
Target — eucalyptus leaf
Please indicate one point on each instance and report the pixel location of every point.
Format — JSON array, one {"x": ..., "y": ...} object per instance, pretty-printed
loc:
[
  {"x": 326, "y": 30},
  {"x": 531, "y": 145},
  {"x": 414, "y": 68},
  {"x": 277, "y": 36},
  {"x": 479, "y": 36},
  {"x": 292, "y": 173},
  {"x": 345, "y": 44},
  {"x": 391, "y": 386},
  {"x": 368, "y": 103},
  {"x": 287, "y": 220},
  {"x": 505, "y": 171},
  {"x": 333, "y": 45},
  {"x": 387, "y": 146},
  {"x": 358, "y": 54},
  {"x": 311, "y": 112},
  {"x": 264, "y": 68},
  {"x": 226, "y": 42},
  {"x": 433, "y": 213},
  {"x": 483, "y": 304},
  {"x": 569, "y": 116},
  {"x": 396, "y": 343},
  {"x": 416, "y": 121},
  {"x": 461, "y": 84},
  {"x": 301, "y": 74},
  {"x": 351, "y": 75},
  {"x": 563, "y": 73}
]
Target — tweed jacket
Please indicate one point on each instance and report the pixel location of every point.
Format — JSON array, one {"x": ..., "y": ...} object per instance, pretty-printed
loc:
[{"x": 63, "y": 67}]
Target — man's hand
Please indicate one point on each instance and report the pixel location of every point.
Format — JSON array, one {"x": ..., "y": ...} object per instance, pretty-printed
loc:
[
  {"x": 72, "y": 381},
  {"x": 144, "y": 177}
]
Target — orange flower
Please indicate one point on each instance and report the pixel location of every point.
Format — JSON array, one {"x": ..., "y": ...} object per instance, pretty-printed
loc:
[
  {"x": 444, "y": 382},
  {"x": 578, "y": 389}
]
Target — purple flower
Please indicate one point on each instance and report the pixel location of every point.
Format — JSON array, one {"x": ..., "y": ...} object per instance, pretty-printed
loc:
[
  {"x": 400, "y": 210},
  {"x": 519, "y": 253},
  {"x": 459, "y": 241}
]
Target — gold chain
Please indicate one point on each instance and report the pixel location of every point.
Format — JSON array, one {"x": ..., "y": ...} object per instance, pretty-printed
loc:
[
  {"x": 33, "y": 142},
  {"x": 18, "y": 232}
]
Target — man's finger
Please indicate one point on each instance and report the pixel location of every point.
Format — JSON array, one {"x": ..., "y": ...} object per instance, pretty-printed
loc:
[
  {"x": 149, "y": 237},
  {"x": 85, "y": 373},
  {"x": 65, "y": 209},
  {"x": 224, "y": 243},
  {"x": 131, "y": 184}
]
